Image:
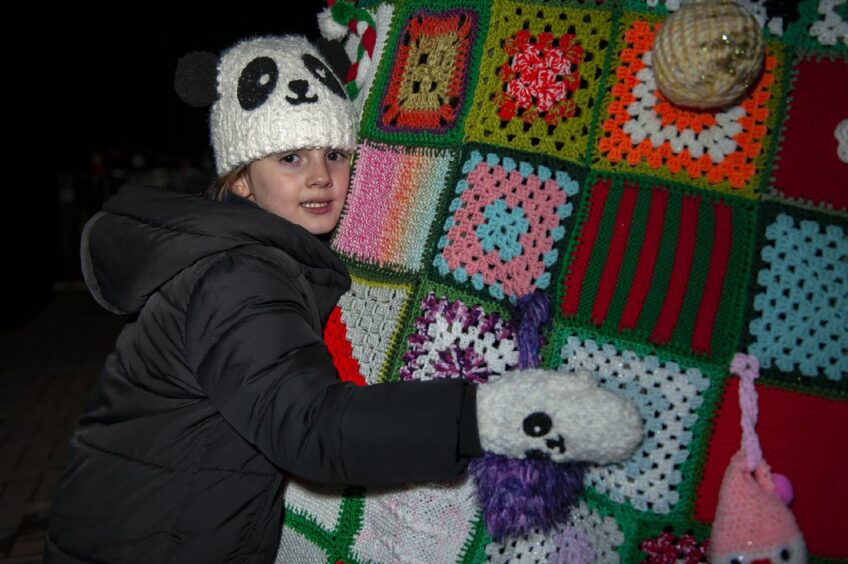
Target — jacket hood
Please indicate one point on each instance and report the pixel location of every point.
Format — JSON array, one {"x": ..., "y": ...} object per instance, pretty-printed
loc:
[{"x": 145, "y": 236}]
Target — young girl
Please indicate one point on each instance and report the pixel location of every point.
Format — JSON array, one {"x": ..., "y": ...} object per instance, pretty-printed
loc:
[{"x": 220, "y": 382}]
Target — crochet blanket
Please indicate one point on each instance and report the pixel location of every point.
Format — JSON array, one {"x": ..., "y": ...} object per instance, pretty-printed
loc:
[{"x": 515, "y": 147}]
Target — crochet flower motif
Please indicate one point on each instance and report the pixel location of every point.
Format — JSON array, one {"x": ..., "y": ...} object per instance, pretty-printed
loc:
[
  {"x": 453, "y": 340},
  {"x": 539, "y": 76},
  {"x": 668, "y": 549}
]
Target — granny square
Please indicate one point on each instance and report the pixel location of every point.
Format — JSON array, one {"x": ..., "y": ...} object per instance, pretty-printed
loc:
[
  {"x": 372, "y": 313},
  {"x": 812, "y": 161},
  {"x": 422, "y": 89},
  {"x": 641, "y": 131},
  {"x": 670, "y": 400},
  {"x": 538, "y": 83},
  {"x": 588, "y": 536},
  {"x": 453, "y": 338},
  {"x": 665, "y": 265},
  {"x": 503, "y": 224},
  {"x": 391, "y": 205},
  {"x": 800, "y": 318},
  {"x": 822, "y": 27}
]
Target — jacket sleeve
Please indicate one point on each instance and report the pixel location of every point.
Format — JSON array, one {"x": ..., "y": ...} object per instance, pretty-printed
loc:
[{"x": 267, "y": 371}]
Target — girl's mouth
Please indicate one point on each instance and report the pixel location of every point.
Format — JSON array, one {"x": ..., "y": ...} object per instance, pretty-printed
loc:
[{"x": 317, "y": 206}]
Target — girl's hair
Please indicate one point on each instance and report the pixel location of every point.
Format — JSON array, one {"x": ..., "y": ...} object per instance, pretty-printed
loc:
[{"x": 220, "y": 187}]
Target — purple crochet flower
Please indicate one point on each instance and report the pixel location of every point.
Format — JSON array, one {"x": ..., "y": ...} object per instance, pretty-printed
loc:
[{"x": 453, "y": 340}]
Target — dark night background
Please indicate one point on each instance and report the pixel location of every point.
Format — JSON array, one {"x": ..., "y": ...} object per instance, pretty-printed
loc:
[{"x": 87, "y": 108}]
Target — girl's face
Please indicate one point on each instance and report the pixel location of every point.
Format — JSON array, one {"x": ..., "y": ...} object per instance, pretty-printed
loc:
[{"x": 307, "y": 187}]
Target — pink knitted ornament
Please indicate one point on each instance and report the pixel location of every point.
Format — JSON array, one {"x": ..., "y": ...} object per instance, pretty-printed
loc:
[{"x": 753, "y": 523}]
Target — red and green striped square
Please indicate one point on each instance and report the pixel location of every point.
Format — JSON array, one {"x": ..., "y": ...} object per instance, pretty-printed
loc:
[{"x": 660, "y": 263}]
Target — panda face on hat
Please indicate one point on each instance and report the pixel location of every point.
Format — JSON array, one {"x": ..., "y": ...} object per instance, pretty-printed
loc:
[{"x": 277, "y": 94}]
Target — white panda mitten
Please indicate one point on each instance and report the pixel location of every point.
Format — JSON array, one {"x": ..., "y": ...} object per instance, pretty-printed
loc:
[{"x": 564, "y": 417}]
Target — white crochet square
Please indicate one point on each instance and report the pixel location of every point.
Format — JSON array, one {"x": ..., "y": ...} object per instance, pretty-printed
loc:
[
  {"x": 603, "y": 533},
  {"x": 371, "y": 312},
  {"x": 586, "y": 538},
  {"x": 319, "y": 504},
  {"x": 295, "y": 548},
  {"x": 668, "y": 398},
  {"x": 423, "y": 524}
]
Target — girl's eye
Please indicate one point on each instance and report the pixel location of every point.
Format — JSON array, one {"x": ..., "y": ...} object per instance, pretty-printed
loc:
[
  {"x": 289, "y": 158},
  {"x": 336, "y": 156}
]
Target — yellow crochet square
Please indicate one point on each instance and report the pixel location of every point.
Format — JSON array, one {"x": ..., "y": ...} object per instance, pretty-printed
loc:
[{"x": 539, "y": 78}]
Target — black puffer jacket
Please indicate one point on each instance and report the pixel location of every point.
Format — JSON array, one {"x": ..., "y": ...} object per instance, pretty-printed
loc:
[{"x": 220, "y": 382}]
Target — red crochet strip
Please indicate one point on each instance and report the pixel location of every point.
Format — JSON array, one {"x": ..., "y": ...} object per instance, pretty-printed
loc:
[
  {"x": 647, "y": 260},
  {"x": 682, "y": 269},
  {"x": 335, "y": 337},
  {"x": 612, "y": 268},
  {"x": 574, "y": 280},
  {"x": 722, "y": 242}
]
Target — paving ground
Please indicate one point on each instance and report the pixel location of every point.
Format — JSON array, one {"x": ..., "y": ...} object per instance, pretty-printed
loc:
[{"x": 47, "y": 368}]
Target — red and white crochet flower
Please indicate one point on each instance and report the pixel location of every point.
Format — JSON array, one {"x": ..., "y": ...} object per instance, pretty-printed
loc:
[{"x": 539, "y": 76}]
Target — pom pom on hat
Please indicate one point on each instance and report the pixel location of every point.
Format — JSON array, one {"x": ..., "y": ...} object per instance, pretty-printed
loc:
[{"x": 329, "y": 27}]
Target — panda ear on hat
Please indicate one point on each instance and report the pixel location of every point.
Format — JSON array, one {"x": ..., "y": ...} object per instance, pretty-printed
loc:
[
  {"x": 334, "y": 53},
  {"x": 195, "y": 79}
]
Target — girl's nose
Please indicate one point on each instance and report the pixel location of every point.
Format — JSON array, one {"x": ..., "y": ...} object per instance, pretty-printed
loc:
[{"x": 319, "y": 174}]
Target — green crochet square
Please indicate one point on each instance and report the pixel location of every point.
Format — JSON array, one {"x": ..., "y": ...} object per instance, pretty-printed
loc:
[
  {"x": 665, "y": 264},
  {"x": 540, "y": 77},
  {"x": 422, "y": 90},
  {"x": 321, "y": 521},
  {"x": 676, "y": 397}
]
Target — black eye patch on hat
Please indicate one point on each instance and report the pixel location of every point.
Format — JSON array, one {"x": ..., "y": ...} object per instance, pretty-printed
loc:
[
  {"x": 324, "y": 75},
  {"x": 257, "y": 82}
]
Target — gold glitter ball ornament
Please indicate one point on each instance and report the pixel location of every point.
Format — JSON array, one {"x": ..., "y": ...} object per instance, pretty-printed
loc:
[{"x": 708, "y": 54}]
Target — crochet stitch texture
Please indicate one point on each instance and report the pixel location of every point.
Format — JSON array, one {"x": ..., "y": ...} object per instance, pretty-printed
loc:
[{"x": 517, "y": 147}]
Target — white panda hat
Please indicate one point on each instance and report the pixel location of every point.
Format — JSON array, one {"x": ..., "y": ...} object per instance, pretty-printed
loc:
[{"x": 268, "y": 95}]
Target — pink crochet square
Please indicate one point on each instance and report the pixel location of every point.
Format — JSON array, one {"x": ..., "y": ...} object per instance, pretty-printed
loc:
[
  {"x": 391, "y": 205},
  {"x": 506, "y": 219}
]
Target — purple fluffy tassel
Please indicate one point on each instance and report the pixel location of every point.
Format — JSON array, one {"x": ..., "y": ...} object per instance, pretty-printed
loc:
[
  {"x": 517, "y": 496},
  {"x": 532, "y": 314}
]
